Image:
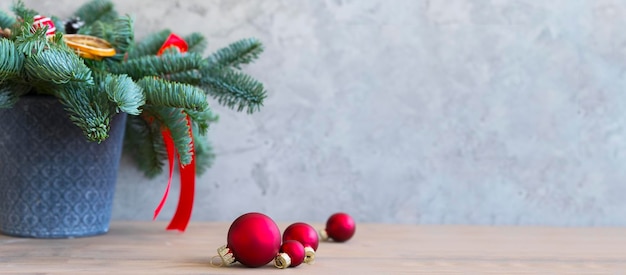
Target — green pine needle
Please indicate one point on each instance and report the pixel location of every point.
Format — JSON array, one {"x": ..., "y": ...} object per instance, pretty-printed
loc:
[
  {"x": 170, "y": 94},
  {"x": 11, "y": 62},
  {"x": 196, "y": 42},
  {"x": 31, "y": 43},
  {"x": 10, "y": 93},
  {"x": 24, "y": 13},
  {"x": 234, "y": 55},
  {"x": 96, "y": 10},
  {"x": 234, "y": 89},
  {"x": 202, "y": 120},
  {"x": 7, "y": 97},
  {"x": 145, "y": 144},
  {"x": 89, "y": 109},
  {"x": 175, "y": 120},
  {"x": 58, "y": 24},
  {"x": 124, "y": 92},
  {"x": 149, "y": 45},
  {"x": 6, "y": 20},
  {"x": 192, "y": 77},
  {"x": 57, "y": 65},
  {"x": 204, "y": 154},
  {"x": 170, "y": 66},
  {"x": 124, "y": 35},
  {"x": 118, "y": 32}
]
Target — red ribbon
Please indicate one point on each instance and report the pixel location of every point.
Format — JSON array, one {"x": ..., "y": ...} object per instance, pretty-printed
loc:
[
  {"x": 188, "y": 172},
  {"x": 174, "y": 41}
]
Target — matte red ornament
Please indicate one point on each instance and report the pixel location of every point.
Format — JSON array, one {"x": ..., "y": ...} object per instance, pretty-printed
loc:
[
  {"x": 253, "y": 240},
  {"x": 340, "y": 227},
  {"x": 306, "y": 235},
  {"x": 291, "y": 254},
  {"x": 42, "y": 21}
]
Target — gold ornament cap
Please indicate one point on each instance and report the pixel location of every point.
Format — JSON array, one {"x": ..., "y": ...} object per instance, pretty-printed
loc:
[
  {"x": 88, "y": 46},
  {"x": 323, "y": 235},
  {"x": 309, "y": 255},
  {"x": 226, "y": 255},
  {"x": 282, "y": 260}
]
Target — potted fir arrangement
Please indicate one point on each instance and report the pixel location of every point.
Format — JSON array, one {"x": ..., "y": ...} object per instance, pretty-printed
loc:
[{"x": 72, "y": 91}]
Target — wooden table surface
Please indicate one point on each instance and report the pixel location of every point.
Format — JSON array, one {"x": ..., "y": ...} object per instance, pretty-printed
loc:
[{"x": 146, "y": 248}]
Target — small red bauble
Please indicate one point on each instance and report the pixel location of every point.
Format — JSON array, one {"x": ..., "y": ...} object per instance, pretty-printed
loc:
[
  {"x": 291, "y": 254},
  {"x": 340, "y": 227},
  {"x": 306, "y": 235},
  {"x": 253, "y": 240},
  {"x": 41, "y": 21}
]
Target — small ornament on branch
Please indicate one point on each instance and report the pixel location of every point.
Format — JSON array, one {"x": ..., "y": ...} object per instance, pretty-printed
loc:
[
  {"x": 340, "y": 227},
  {"x": 41, "y": 22},
  {"x": 73, "y": 25}
]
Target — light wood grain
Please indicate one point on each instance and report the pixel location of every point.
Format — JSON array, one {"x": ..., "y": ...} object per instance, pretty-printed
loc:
[{"x": 146, "y": 248}]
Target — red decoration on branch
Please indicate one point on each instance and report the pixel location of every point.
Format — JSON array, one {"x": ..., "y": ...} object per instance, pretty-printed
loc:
[
  {"x": 187, "y": 172},
  {"x": 42, "y": 21},
  {"x": 187, "y": 190},
  {"x": 174, "y": 41},
  {"x": 169, "y": 147}
]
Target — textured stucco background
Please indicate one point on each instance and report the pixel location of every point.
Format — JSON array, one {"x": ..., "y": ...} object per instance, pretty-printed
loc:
[{"x": 481, "y": 112}]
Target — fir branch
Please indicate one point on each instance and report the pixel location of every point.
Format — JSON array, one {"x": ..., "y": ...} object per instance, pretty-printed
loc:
[
  {"x": 24, "y": 13},
  {"x": 124, "y": 34},
  {"x": 58, "y": 24},
  {"x": 196, "y": 42},
  {"x": 119, "y": 33},
  {"x": 192, "y": 77},
  {"x": 7, "y": 96},
  {"x": 10, "y": 93},
  {"x": 170, "y": 94},
  {"x": 57, "y": 65},
  {"x": 30, "y": 43},
  {"x": 145, "y": 144},
  {"x": 89, "y": 109},
  {"x": 234, "y": 89},
  {"x": 175, "y": 120},
  {"x": 234, "y": 55},
  {"x": 171, "y": 65},
  {"x": 121, "y": 90},
  {"x": 96, "y": 10},
  {"x": 149, "y": 45},
  {"x": 202, "y": 120},
  {"x": 6, "y": 20},
  {"x": 11, "y": 62},
  {"x": 204, "y": 154}
]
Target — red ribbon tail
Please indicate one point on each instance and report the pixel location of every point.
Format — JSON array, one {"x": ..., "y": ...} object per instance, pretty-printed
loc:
[
  {"x": 169, "y": 146},
  {"x": 187, "y": 189},
  {"x": 188, "y": 172}
]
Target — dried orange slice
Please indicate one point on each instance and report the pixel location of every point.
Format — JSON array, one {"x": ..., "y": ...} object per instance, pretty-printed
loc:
[{"x": 88, "y": 46}]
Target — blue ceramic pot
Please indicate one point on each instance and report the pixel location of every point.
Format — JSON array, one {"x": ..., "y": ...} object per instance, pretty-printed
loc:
[{"x": 53, "y": 182}]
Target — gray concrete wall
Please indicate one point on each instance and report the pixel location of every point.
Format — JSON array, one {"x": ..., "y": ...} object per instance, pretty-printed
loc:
[{"x": 481, "y": 112}]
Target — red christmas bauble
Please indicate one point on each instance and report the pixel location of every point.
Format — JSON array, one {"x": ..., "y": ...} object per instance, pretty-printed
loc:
[
  {"x": 253, "y": 240},
  {"x": 291, "y": 254},
  {"x": 340, "y": 227},
  {"x": 41, "y": 21},
  {"x": 306, "y": 235}
]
